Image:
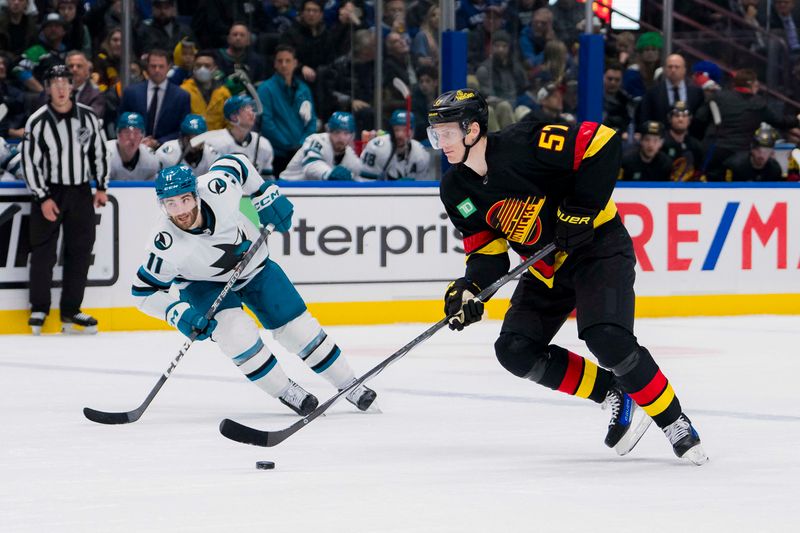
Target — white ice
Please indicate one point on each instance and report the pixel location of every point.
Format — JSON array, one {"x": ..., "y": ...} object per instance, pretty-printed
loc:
[{"x": 461, "y": 445}]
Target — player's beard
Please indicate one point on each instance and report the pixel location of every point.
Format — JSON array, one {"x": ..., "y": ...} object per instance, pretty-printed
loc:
[{"x": 186, "y": 221}]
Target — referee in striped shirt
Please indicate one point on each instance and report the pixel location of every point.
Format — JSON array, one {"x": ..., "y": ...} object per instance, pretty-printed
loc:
[{"x": 62, "y": 149}]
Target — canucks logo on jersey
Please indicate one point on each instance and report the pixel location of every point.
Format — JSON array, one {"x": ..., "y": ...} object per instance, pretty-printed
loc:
[{"x": 517, "y": 219}]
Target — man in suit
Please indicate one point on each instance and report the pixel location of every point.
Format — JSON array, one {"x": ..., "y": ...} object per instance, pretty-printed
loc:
[
  {"x": 163, "y": 104},
  {"x": 86, "y": 92},
  {"x": 657, "y": 101}
]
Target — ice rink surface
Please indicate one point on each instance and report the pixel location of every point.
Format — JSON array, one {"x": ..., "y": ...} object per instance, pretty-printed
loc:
[{"x": 460, "y": 446}]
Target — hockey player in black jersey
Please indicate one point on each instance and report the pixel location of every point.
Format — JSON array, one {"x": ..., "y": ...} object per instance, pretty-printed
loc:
[{"x": 525, "y": 186}]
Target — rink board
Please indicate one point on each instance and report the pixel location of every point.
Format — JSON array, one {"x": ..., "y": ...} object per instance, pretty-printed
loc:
[{"x": 380, "y": 254}]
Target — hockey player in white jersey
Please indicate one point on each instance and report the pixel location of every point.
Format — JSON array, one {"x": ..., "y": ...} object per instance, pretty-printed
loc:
[
  {"x": 196, "y": 155},
  {"x": 327, "y": 156},
  {"x": 197, "y": 244},
  {"x": 128, "y": 158},
  {"x": 395, "y": 156},
  {"x": 239, "y": 137}
]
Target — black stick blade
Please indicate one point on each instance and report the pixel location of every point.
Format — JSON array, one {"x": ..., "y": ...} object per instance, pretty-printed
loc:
[
  {"x": 244, "y": 434},
  {"x": 102, "y": 417}
]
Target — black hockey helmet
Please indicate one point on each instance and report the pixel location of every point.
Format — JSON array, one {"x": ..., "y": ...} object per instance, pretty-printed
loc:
[
  {"x": 764, "y": 137},
  {"x": 463, "y": 106},
  {"x": 58, "y": 71}
]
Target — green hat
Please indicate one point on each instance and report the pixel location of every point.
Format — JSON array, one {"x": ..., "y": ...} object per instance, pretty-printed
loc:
[{"x": 651, "y": 39}]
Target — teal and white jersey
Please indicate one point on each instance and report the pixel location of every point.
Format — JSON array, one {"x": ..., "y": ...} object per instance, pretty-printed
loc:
[
  {"x": 315, "y": 159},
  {"x": 380, "y": 162},
  {"x": 145, "y": 169},
  {"x": 209, "y": 252},
  {"x": 256, "y": 147},
  {"x": 169, "y": 154}
]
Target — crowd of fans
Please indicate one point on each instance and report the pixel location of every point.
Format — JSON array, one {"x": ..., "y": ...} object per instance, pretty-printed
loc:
[{"x": 266, "y": 75}]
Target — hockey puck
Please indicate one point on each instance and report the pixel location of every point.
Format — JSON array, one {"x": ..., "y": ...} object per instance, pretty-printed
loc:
[{"x": 265, "y": 465}]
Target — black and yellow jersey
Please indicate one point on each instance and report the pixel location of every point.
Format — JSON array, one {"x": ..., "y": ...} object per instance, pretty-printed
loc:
[{"x": 533, "y": 168}]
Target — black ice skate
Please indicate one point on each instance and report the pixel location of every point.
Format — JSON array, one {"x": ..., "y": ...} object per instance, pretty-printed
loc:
[
  {"x": 36, "y": 321},
  {"x": 79, "y": 323},
  {"x": 298, "y": 399},
  {"x": 362, "y": 397},
  {"x": 628, "y": 421},
  {"x": 685, "y": 440}
]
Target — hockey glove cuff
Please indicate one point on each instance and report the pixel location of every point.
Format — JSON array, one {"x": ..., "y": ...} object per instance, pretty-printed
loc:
[
  {"x": 460, "y": 304},
  {"x": 340, "y": 173},
  {"x": 188, "y": 320},
  {"x": 273, "y": 207},
  {"x": 574, "y": 228}
]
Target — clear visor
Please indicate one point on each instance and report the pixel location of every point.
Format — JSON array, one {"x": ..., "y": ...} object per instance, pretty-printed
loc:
[
  {"x": 176, "y": 206},
  {"x": 444, "y": 134}
]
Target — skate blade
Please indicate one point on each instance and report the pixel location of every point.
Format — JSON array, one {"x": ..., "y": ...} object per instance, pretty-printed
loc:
[
  {"x": 373, "y": 409},
  {"x": 641, "y": 421},
  {"x": 74, "y": 329},
  {"x": 36, "y": 330},
  {"x": 696, "y": 455}
]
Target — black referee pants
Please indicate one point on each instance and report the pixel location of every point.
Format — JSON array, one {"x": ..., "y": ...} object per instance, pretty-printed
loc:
[{"x": 77, "y": 218}]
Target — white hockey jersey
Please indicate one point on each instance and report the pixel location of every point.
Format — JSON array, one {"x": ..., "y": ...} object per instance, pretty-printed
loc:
[
  {"x": 145, "y": 169},
  {"x": 257, "y": 148},
  {"x": 169, "y": 154},
  {"x": 175, "y": 256},
  {"x": 315, "y": 159},
  {"x": 379, "y": 161}
]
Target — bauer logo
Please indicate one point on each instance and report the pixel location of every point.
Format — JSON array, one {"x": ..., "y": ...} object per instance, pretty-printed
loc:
[
  {"x": 466, "y": 208},
  {"x": 163, "y": 240},
  {"x": 15, "y": 209}
]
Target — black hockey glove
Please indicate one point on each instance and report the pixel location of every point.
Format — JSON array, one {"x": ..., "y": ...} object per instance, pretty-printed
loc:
[
  {"x": 574, "y": 228},
  {"x": 460, "y": 304}
]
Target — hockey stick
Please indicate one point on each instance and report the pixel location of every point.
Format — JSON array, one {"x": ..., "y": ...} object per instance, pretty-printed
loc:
[
  {"x": 126, "y": 417},
  {"x": 248, "y": 435}
]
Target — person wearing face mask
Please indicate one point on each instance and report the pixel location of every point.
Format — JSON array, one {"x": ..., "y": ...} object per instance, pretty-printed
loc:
[{"x": 206, "y": 91}]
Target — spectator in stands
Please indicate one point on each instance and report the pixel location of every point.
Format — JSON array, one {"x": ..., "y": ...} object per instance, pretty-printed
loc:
[
  {"x": 557, "y": 65},
  {"x": 163, "y": 104},
  {"x": 107, "y": 61},
  {"x": 623, "y": 46},
  {"x": 163, "y": 31},
  {"x": 199, "y": 155},
  {"x": 534, "y": 37},
  {"x": 707, "y": 76},
  {"x": 206, "y": 91},
  {"x": 470, "y": 13},
  {"x": 479, "y": 39},
  {"x": 281, "y": 13},
  {"x": 758, "y": 164},
  {"x": 396, "y": 64},
  {"x": 550, "y": 100},
  {"x": 239, "y": 56},
  {"x": 520, "y": 13},
  {"x": 328, "y": 155},
  {"x": 129, "y": 159},
  {"x": 501, "y": 79},
  {"x": 106, "y": 15},
  {"x": 288, "y": 116},
  {"x": 12, "y": 124},
  {"x": 640, "y": 75},
  {"x": 349, "y": 83},
  {"x": 615, "y": 101},
  {"x": 568, "y": 19},
  {"x": 212, "y": 19},
  {"x": 422, "y": 97},
  {"x": 425, "y": 46},
  {"x": 77, "y": 37},
  {"x": 685, "y": 151},
  {"x": 85, "y": 92},
  {"x": 784, "y": 18},
  {"x": 311, "y": 40},
  {"x": 49, "y": 51},
  {"x": 657, "y": 101},
  {"x": 18, "y": 30},
  {"x": 349, "y": 20},
  {"x": 741, "y": 110},
  {"x": 394, "y": 19},
  {"x": 647, "y": 162},
  {"x": 183, "y": 61},
  {"x": 241, "y": 135}
]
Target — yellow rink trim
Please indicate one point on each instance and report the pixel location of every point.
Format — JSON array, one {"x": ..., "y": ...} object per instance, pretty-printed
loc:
[{"x": 430, "y": 311}]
